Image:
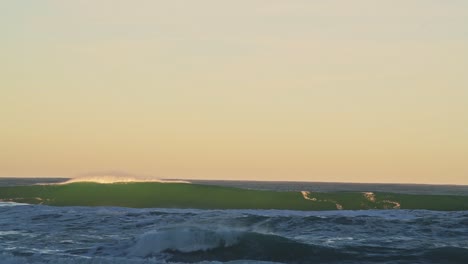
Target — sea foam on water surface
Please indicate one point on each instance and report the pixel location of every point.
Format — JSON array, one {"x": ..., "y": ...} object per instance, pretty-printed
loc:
[{"x": 5, "y": 204}]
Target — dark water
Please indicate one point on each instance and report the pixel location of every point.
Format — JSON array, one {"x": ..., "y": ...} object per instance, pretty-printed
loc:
[{"x": 45, "y": 234}]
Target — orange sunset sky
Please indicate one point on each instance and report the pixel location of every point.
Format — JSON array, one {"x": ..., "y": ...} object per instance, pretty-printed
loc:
[{"x": 349, "y": 91}]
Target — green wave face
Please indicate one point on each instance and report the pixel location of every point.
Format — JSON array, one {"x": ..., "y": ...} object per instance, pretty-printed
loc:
[{"x": 181, "y": 195}]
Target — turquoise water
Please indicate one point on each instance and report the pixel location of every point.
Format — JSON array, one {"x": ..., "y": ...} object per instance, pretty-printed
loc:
[{"x": 209, "y": 196}]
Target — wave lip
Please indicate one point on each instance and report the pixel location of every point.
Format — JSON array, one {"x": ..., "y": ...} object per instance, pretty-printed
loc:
[
  {"x": 196, "y": 244},
  {"x": 116, "y": 178},
  {"x": 193, "y": 244},
  {"x": 183, "y": 239}
]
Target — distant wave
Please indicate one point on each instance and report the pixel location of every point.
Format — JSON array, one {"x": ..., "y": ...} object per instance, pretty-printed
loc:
[
  {"x": 147, "y": 193},
  {"x": 110, "y": 178}
]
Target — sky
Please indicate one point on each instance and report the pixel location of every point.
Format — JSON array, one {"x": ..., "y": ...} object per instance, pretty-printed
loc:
[{"x": 301, "y": 90}]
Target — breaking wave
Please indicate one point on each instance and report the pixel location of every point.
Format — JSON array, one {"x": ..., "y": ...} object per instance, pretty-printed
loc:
[
  {"x": 117, "y": 178},
  {"x": 139, "y": 192},
  {"x": 194, "y": 244},
  {"x": 183, "y": 239}
]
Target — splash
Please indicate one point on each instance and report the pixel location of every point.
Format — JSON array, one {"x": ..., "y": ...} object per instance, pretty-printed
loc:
[
  {"x": 118, "y": 178},
  {"x": 370, "y": 196}
]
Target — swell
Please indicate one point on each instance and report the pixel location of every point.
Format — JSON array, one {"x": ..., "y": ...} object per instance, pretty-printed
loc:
[
  {"x": 194, "y": 244},
  {"x": 263, "y": 247},
  {"x": 126, "y": 235},
  {"x": 181, "y": 195},
  {"x": 191, "y": 244}
]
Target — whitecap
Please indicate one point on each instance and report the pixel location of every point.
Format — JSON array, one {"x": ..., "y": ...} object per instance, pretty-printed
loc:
[{"x": 118, "y": 178}]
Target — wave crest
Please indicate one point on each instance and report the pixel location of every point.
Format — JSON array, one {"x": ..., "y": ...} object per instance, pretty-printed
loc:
[
  {"x": 118, "y": 178},
  {"x": 193, "y": 244},
  {"x": 183, "y": 239}
]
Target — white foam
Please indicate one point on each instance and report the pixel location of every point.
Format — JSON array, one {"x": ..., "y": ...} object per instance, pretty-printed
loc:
[
  {"x": 306, "y": 194},
  {"x": 6, "y": 203},
  {"x": 107, "y": 179},
  {"x": 370, "y": 196},
  {"x": 395, "y": 205},
  {"x": 183, "y": 239}
]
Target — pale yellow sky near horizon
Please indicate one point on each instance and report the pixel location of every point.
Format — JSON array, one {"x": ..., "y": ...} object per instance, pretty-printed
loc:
[{"x": 349, "y": 91}]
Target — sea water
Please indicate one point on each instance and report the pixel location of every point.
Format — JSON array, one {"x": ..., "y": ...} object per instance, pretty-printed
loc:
[{"x": 47, "y": 234}]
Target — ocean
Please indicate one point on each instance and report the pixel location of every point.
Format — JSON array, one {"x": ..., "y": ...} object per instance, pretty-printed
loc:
[{"x": 38, "y": 233}]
